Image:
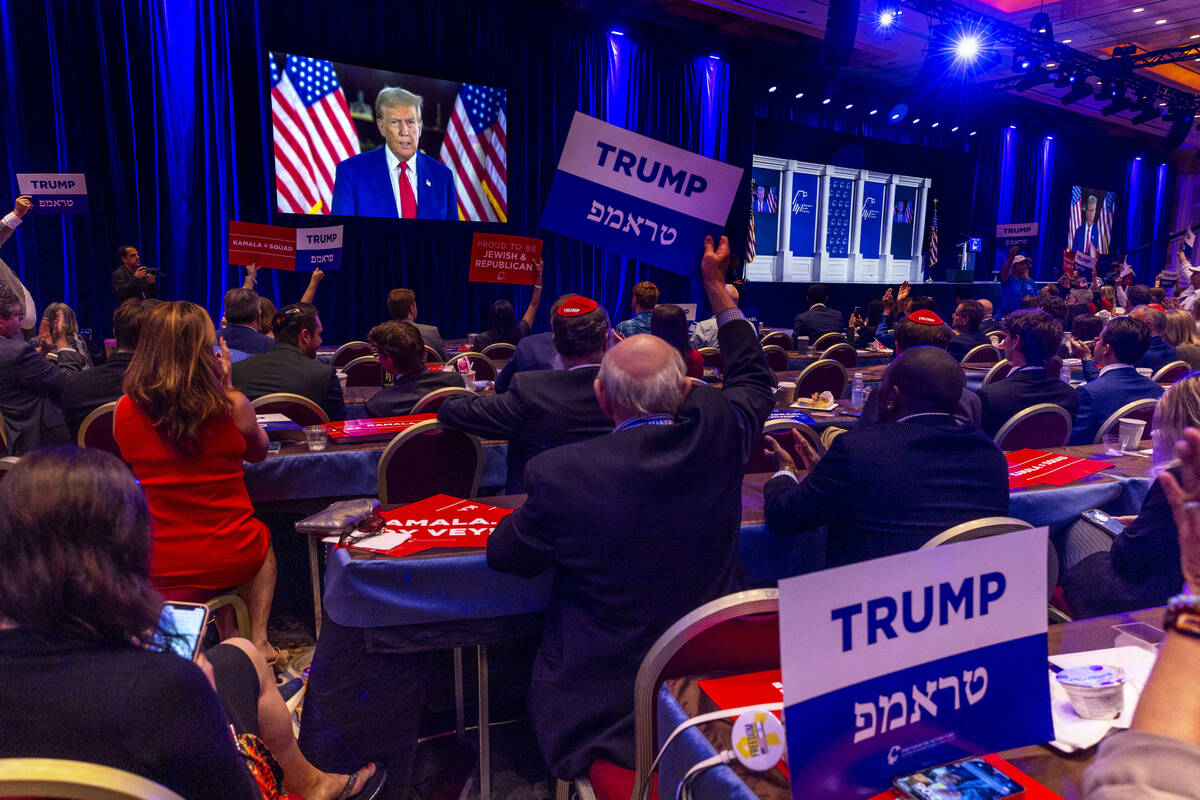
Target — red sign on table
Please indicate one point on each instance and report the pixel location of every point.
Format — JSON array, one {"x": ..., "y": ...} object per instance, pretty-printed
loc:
[
  {"x": 1032, "y": 467},
  {"x": 498, "y": 258},
  {"x": 270, "y": 246},
  {"x": 377, "y": 427},
  {"x": 440, "y": 521}
]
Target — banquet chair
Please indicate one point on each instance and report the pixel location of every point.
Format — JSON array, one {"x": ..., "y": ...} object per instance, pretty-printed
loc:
[
  {"x": 500, "y": 351},
  {"x": 842, "y": 353},
  {"x": 426, "y": 459},
  {"x": 1138, "y": 409},
  {"x": 735, "y": 633},
  {"x": 780, "y": 430},
  {"x": 995, "y": 526},
  {"x": 298, "y": 409},
  {"x": 364, "y": 371},
  {"x": 820, "y": 376},
  {"x": 997, "y": 338},
  {"x": 75, "y": 780},
  {"x": 432, "y": 356},
  {"x": 485, "y": 370},
  {"x": 983, "y": 354},
  {"x": 829, "y": 434},
  {"x": 777, "y": 357},
  {"x": 350, "y": 351},
  {"x": 827, "y": 340},
  {"x": 1042, "y": 425},
  {"x": 711, "y": 356},
  {"x": 7, "y": 463},
  {"x": 430, "y": 403},
  {"x": 1169, "y": 373},
  {"x": 780, "y": 338},
  {"x": 96, "y": 430},
  {"x": 998, "y": 372}
]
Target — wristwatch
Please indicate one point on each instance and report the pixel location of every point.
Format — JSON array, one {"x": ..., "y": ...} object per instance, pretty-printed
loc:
[{"x": 1183, "y": 614}]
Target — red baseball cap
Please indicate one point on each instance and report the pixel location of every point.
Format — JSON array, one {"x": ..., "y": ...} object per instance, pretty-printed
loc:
[
  {"x": 925, "y": 317},
  {"x": 577, "y": 306}
]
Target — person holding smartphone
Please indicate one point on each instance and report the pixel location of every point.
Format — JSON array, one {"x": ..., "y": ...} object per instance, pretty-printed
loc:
[{"x": 88, "y": 673}]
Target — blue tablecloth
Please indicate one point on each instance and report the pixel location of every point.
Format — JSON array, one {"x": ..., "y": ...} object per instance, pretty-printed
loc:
[
  {"x": 343, "y": 473},
  {"x": 689, "y": 748}
]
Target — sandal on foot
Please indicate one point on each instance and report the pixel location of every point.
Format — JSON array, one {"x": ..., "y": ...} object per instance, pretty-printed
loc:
[{"x": 370, "y": 789}]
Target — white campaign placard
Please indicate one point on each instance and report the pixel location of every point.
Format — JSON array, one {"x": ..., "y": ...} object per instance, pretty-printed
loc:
[
  {"x": 900, "y": 663},
  {"x": 55, "y": 192}
]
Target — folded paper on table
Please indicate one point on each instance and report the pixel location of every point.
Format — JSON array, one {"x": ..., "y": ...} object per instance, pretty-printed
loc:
[
  {"x": 436, "y": 522},
  {"x": 376, "y": 427},
  {"x": 1033, "y": 467},
  {"x": 1072, "y": 732}
]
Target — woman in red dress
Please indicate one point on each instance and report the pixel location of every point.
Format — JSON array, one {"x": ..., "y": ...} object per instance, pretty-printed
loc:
[{"x": 185, "y": 431}]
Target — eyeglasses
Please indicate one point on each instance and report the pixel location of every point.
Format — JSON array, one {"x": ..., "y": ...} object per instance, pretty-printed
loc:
[{"x": 364, "y": 529}]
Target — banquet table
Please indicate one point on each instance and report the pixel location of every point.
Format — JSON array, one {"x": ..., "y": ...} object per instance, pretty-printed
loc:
[{"x": 681, "y": 698}]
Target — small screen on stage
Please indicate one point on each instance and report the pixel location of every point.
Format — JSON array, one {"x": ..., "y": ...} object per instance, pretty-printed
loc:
[
  {"x": 353, "y": 141},
  {"x": 1091, "y": 222}
]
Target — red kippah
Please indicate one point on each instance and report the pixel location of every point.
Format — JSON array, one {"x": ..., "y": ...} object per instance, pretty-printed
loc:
[
  {"x": 1157, "y": 307},
  {"x": 576, "y": 306},
  {"x": 926, "y": 317}
]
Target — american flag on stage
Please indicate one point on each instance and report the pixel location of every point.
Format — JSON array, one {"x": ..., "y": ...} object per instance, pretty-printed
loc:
[
  {"x": 475, "y": 150},
  {"x": 1104, "y": 217},
  {"x": 312, "y": 132},
  {"x": 750, "y": 245},
  {"x": 933, "y": 242}
]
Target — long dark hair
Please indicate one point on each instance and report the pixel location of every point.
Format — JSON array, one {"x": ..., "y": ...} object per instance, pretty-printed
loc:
[
  {"x": 502, "y": 323},
  {"x": 75, "y": 534},
  {"x": 669, "y": 323}
]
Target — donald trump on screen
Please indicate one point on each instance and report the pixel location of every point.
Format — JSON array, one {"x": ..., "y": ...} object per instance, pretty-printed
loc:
[{"x": 395, "y": 180}]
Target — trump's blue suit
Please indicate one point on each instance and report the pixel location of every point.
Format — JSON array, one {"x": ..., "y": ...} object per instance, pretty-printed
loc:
[
  {"x": 1077, "y": 243},
  {"x": 1104, "y": 395},
  {"x": 362, "y": 188}
]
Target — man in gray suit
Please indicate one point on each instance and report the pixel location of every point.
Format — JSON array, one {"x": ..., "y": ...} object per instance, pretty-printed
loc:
[{"x": 402, "y": 305}]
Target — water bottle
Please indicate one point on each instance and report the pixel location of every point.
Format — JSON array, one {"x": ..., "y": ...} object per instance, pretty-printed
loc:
[
  {"x": 1064, "y": 374},
  {"x": 856, "y": 392}
]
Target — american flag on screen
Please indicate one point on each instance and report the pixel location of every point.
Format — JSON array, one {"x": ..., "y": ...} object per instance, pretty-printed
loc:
[
  {"x": 1104, "y": 216},
  {"x": 750, "y": 244},
  {"x": 475, "y": 150},
  {"x": 933, "y": 237},
  {"x": 312, "y": 132}
]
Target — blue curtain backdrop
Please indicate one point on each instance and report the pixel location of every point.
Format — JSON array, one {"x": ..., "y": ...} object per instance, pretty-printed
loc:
[{"x": 161, "y": 104}]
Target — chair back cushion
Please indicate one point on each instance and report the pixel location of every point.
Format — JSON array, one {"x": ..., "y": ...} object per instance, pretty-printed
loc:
[
  {"x": 1041, "y": 428},
  {"x": 434, "y": 461},
  {"x": 350, "y": 351},
  {"x": 97, "y": 430},
  {"x": 842, "y": 353},
  {"x": 364, "y": 371},
  {"x": 826, "y": 375}
]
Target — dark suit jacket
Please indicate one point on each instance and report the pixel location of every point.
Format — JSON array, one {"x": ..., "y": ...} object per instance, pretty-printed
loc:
[
  {"x": 966, "y": 341},
  {"x": 284, "y": 368},
  {"x": 533, "y": 352},
  {"x": 86, "y": 391},
  {"x": 988, "y": 326},
  {"x": 248, "y": 340},
  {"x": 30, "y": 389},
  {"x": 641, "y": 527},
  {"x": 126, "y": 285},
  {"x": 540, "y": 410},
  {"x": 1077, "y": 239},
  {"x": 891, "y": 487},
  {"x": 398, "y": 400},
  {"x": 431, "y": 336},
  {"x": 362, "y": 187},
  {"x": 817, "y": 321},
  {"x": 1020, "y": 390},
  {"x": 1104, "y": 395},
  {"x": 1159, "y": 355}
]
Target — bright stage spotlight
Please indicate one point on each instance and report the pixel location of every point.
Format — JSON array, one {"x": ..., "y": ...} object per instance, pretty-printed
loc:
[
  {"x": 967, "y": 47},
  {"x": 887, "y": 16}
]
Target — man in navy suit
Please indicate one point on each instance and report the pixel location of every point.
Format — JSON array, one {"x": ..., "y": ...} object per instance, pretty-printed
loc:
[
  {"x": 1087, "y": 235},
  {"x": 242, "y": 307},
  {"x": 1161, "y": 352},
  {"x": 820, "y": 319},
  {"x": 395, "y": 180},
  {"x": 1115, "y": 383}
]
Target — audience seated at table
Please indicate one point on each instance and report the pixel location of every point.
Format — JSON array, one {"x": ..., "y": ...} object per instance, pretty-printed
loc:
[
  {"x": 966, "y": 321},
  {"x": 503, "y": 325},
  {"x": 1158, "y": 758},
  {"x": 890, "y": 487},
  {"x": 1032, "y": 338},
  {"x": 1181, "y": 334},
  {"x": 76, "y": 609},
  {"x": 546, "y": 408},
  {"x": 645, "y": 298},
  {"x": 705, "y": 332},
  {"x": 185, "y": 431},
  {"x": 924, "y": 329},
  {"x": 820, "y": 319},
  {"x": 1112, "y": 380},
  {"x": 535, "y": 351},
  {"x": 988, "y": 324},
  {"x": 640, "y": 526},
  {"x": 402, "y": 305},
  {"x": 1160, "y": 352},
  {"x": 402, "y": 353},
  {"x": 30, "y": 384},
  {"x": 290, "y": 365},
  {"x": 669, "y": 323},
  {"x": 1138, "y": 568},
  {"x": 862, "y": 331},
  {"x": 86, "y": 391},
  {"x": 242, "y": 307}
]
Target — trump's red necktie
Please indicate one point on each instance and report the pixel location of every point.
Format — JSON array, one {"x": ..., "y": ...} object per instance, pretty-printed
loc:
[{"x": 408, "y": 201}]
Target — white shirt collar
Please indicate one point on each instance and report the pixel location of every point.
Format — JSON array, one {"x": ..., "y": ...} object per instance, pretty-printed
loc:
[
  {"x": 1118, "y": 365},
  {"x": 393, "y": 163}
]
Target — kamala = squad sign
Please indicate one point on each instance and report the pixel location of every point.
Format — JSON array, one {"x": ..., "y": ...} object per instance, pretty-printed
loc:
[
  {"x": 897, "y": 664},
  {"x": 55, "y": 192},
  {"x": 638, "y": 196}
]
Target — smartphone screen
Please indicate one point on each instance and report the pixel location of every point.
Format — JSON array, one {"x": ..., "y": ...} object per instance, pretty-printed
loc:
[
  {"x": 186, "y": 621},
  {"x": 1102, "y": 520},
  {"x": 972, "y": 777}
]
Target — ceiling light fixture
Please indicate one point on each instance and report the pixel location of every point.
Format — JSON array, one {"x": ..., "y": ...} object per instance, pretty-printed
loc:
[{"x": 772, "y": 90}]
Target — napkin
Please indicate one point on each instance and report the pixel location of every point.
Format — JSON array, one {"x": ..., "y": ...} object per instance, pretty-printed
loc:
[{"x": 1072, "y": 732}]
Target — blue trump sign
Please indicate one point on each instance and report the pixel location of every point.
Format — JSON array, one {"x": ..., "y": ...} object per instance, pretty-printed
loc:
[
  {"x": 55, "y": 192},
  {"x": 901, "y": 663},
  {"x": 635, "y": 195},
  {"x": 319, "y": 248}
]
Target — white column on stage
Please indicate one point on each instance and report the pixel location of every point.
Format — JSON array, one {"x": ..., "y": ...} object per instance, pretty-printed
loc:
[
  {"x": 855, "y": 250},
  {"x": 785, "y": 225},
  {"x": 821, "y": 256},
  {"x": 914, "y": 273},
  {"x": 885, "y": 241}
]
